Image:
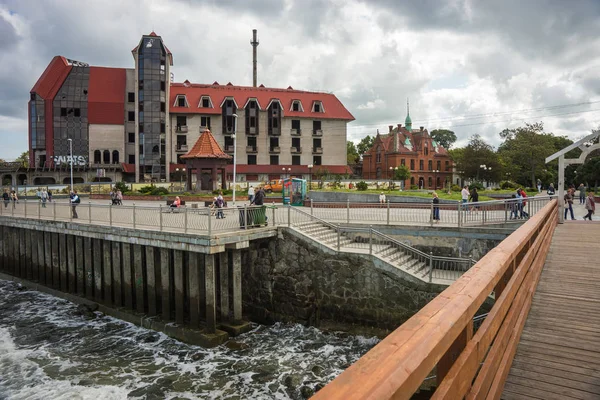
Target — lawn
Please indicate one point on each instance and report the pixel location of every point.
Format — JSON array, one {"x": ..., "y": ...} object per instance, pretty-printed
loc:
[{"x": 413, "y": 193}]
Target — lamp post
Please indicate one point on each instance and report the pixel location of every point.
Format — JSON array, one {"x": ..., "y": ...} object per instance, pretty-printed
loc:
[
  {"x": 234, "y": 154},
  {"x": 485, "y": 168},
  {"x": 435, "y": 172},
  {"x": 180, "y": 177},
  {"x": 71, "y": 160},
  {"x": 310, "y": 167}
]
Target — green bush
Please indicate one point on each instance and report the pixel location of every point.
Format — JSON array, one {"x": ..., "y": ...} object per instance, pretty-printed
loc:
[
  {"x": 362, "y": 185},
  {"x": 508, "y": 185},
  {"x": 226, "y": 192},
  {"x": 147, "y": 189},
  {"x": 414, "y": 187},
  {"x": 477, "y": 185},
  {"x": 455, "y": 188},
  {"x": 337, "y": 181},
  {"x": 160, "y": 191},
  {"x": 122, "y": 186}
]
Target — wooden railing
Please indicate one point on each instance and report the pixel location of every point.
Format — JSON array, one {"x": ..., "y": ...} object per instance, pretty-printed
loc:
[{"x": 440, "y": 339}]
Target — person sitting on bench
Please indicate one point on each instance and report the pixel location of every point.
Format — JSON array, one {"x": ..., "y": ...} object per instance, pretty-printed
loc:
[{"x": 176, "y": 203}]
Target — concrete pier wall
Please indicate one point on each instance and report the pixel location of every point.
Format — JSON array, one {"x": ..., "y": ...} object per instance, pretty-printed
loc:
[{"x": 163, "y": 284}]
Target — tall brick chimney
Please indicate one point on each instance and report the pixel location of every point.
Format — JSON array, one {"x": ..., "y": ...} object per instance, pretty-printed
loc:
[{"x": 391, "y": 127}]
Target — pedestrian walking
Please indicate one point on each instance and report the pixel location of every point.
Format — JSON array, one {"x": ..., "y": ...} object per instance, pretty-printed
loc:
[
  {"x": 569, "y": 203},
  {"x": 250, "y": 194},
  {"x": 474, "y": 197},
  {"x": 436, "y": 207},
  {"x": 49, "y": 195},
  {"x": 14, "y": 198},
  {"x": 539, "y": 186},
  {"x": 75, "y": 200},
  {"x": 6, "y": 198},
  {"x": 581, "y": 194},
  {"x": 119, "y": 198},
  {"x": 464, "y": 193},
  {"x": 524, "y": 213},
  {"x": 590, "y": 206},
  {"x": 220, "y": 203},
  {"x": 551, "y": 190},
  {"x": 514, "y": 208},
  {"x": 44, "y": 197}
]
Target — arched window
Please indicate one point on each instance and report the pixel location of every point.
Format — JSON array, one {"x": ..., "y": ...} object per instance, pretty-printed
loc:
[
  {"x": 438, "y": 183},
  {"x": 106, "y": 157},
  {"x": 412, "y": 180},
  {"x": 429, "y": 181},
  {"x": 430, "y": 165},
  {"x": 97, "y": 157},
  {"x": 378, "y": 156},
  {"x": 115, "y": 155},
  {"x": 426, "y": 150},
  {"x": 439, "y": 165}
]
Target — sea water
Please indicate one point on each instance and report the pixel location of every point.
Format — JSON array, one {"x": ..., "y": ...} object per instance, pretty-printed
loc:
[{"x": 49, "y": 351}]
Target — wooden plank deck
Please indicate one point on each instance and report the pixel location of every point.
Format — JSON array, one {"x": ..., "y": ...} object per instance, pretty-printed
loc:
[{"x": 558, "y": 356}]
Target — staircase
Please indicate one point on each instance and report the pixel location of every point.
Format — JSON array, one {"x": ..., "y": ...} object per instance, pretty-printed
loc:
[{"x": 326, "y": 234}]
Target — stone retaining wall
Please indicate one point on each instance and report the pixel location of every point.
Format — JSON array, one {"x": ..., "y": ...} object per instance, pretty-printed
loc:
[{"x": 289, "y": 279}]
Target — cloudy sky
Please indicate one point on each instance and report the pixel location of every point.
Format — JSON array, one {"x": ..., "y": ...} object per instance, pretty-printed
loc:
[{"x": 473, "y": 66}]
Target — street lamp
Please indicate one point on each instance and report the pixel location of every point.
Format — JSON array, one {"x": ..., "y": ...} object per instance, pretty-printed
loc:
[
  {"x": 71, "y": 160},
  {"x": 310, "y": 167},
  {"x": 180, "y": 177},
  {"x": 234, "y": 154},
  {"x": 485, "y": 168},
  {"x": 435, "y": 172}
]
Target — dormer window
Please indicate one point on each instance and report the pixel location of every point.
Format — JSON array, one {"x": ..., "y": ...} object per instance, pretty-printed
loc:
[
  {"x": 318, "y": 107},
  {"x": 205, "y": 102},
  {"x": 181, "y": 101},
  {"x": 297, "y": 106}
]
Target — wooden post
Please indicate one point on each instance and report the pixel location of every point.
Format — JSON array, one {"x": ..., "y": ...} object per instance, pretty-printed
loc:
[
  {"x": 448, "y": 359},
  {"x": 150, "y": 281},
  {"x": 237, "y": 286},
  {"x": 165, "y": 281},
  {"x": 209, "y": 275},
  {"x": 179, "y": 291},
  {"x": 224, "y": 281}
]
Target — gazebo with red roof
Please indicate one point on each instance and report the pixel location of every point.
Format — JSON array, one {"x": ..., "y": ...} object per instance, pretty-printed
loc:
[{"x": 206, "y": 155}]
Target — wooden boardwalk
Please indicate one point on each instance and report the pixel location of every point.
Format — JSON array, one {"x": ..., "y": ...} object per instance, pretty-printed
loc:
[{"x": 558, "y": 356}]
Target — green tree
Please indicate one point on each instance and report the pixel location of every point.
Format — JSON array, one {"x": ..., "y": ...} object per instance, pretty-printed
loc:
[
  {"x": 365, "y": 144},
  {"x": 524, "y": 153},
  {"x": 401, "y": 173},
  {"x": 589, "y": 172},
  {"x": 352, "y": 154},
  {"x": 444, "y": 137},
  {"x": 469, "y": 160},
  {"x": 24, "y": 158}
]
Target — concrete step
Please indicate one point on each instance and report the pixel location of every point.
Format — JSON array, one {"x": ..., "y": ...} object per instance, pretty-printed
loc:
[{"x": 411, "y": 264}]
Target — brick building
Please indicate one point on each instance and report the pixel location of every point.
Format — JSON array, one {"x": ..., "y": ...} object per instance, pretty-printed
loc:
[
  {"x": 137, "y": 123},
  {"x": 429, "y": 163}
]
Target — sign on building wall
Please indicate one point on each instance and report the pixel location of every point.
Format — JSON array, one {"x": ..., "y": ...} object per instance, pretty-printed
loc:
[{"x": 77, "y": 160}]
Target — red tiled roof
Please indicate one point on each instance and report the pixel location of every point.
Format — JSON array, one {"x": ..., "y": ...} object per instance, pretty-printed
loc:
[
  {"x": 128, "y": 168},
  {"x": 206, "y": 147},
  {"x": 295, "y": 169},
  {"x": 52, "y": 79},
  {"x": 106, "y": 98},
  {"x": 334, "y": 109}
]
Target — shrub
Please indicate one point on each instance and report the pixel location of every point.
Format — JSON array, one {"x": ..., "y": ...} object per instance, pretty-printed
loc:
[
  {"x": 362, "y": 185},
  {"x": 477, "y": 185},
  {"x": 226, "y": 192},
  {"x": 455, "y": 188},
  {"x": 508, "y": 185},
  {"x": 337, "y": 181},
  {"x": 122, "y": 186},
  {"x": 147, "y": 189},
  {"x": 414, "y": 187},
  {"x": 160, "y": 191}
]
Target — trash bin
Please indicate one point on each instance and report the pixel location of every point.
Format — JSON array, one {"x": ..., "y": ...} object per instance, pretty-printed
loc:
[{"x": 260, "y": 215}]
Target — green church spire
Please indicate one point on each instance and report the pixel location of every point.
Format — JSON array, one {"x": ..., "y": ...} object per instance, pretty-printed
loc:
[{"x": 408, "y": 121}]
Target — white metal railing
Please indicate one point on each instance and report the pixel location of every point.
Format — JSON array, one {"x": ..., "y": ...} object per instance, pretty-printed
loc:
[
  {"x": 203, "y": 220},
  {"x": 386, "y": 248}
]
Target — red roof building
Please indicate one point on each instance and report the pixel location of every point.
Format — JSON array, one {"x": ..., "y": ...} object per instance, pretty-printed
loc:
[
  {"x": 429, "y": 163},
  {"x": 141, "y": 122}
]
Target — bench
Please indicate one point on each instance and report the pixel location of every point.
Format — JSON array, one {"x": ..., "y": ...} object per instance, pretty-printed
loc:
[
  {"x": 210, "y": 203},
  {"x": 169, "y": 202}
]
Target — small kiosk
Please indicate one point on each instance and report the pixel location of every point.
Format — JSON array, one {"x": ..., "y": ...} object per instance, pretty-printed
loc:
[{"x": 294, "y": 191}]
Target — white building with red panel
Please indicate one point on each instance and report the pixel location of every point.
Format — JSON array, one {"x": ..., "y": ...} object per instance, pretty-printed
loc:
[{"x": 138, "y": 123}]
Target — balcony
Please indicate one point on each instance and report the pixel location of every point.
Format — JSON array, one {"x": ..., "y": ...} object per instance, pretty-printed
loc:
[
  {"x": 275, "y": 132},
  {"x": 181, "y": 129},
  {"x": 317, "y": 150},
  {"x": 275, "y": 149},
  {"x": 295, "y": 132},
  {"x": 317, "y": 132},
  {"x": 252, "y": 131},
  {"x": 182, "y": 147},
  {"x": 295, "y": 150},
  {"x": 203, "y": 129},
  {"x": 251, "y": 149},
  {"x": 229, "y": 149}
]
